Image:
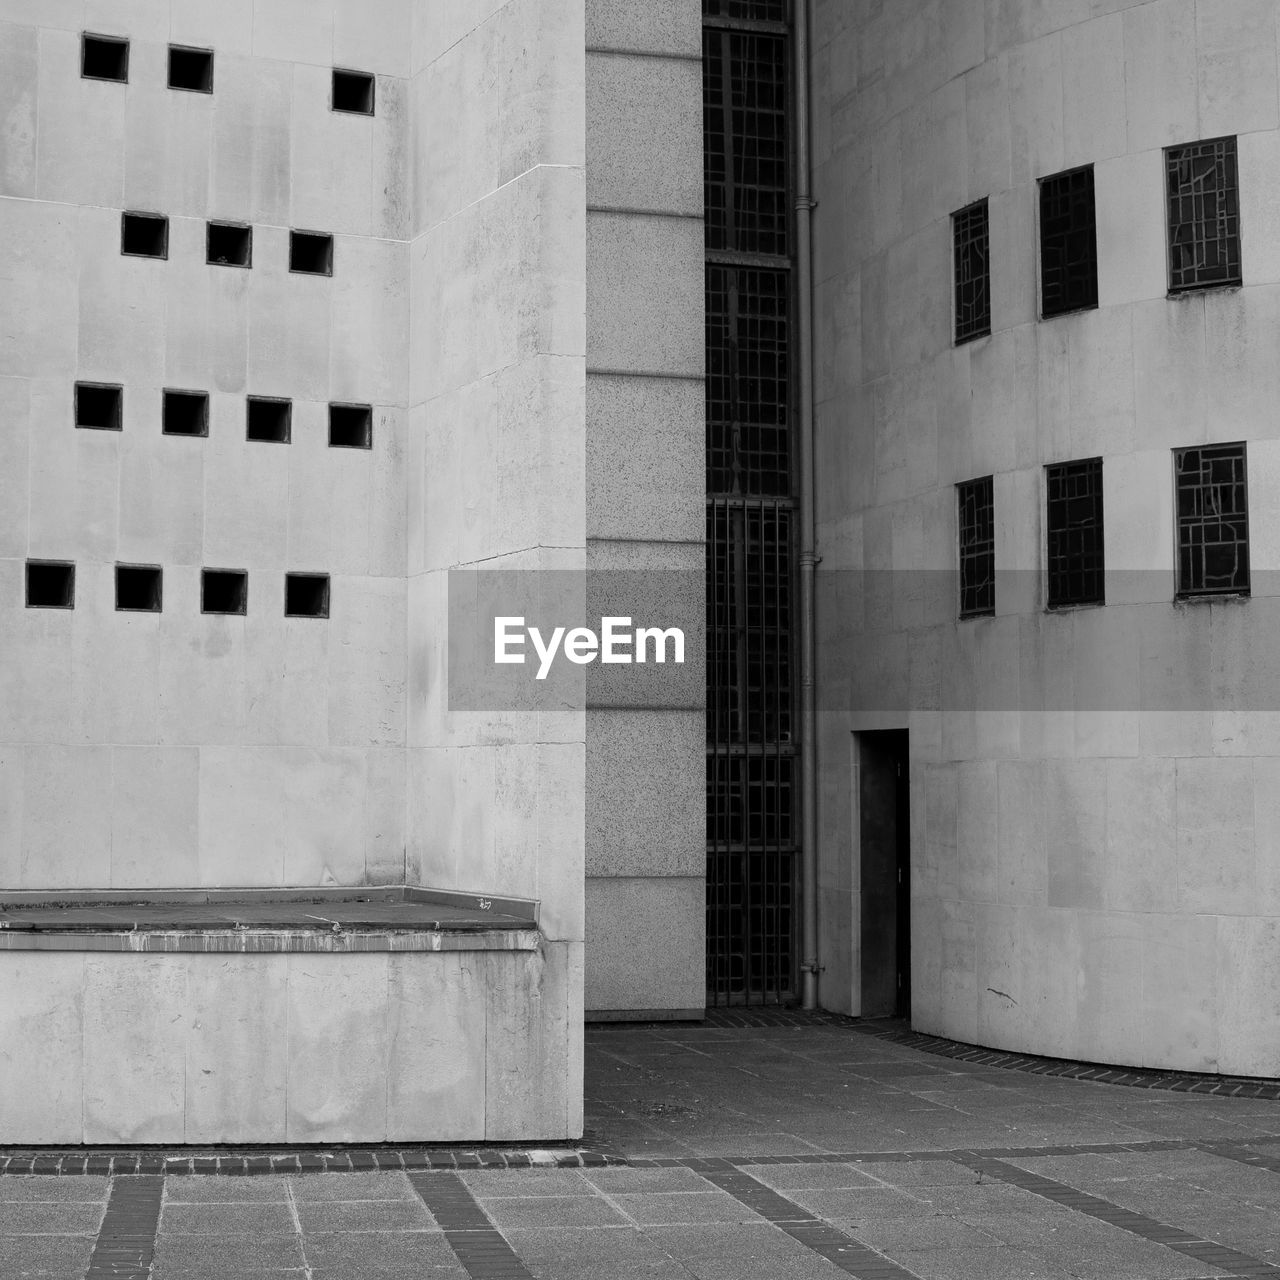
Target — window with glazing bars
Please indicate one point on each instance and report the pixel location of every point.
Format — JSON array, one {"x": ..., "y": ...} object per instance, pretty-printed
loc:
[
  {"x": 1213, "y": 520},
  {"x": 745, "y": 141},
  {"x": 1068, "y": 243},
  {"x": 971, "y": 233},
  {"x": 977, "y": 508},
  {"x": 750, "y": 10},
  {"x": 1204, "y": 215},
  {"x": 1074, "y": 523}
]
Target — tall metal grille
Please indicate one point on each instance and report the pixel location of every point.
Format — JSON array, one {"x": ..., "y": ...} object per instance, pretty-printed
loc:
[
  {"x": 1213, "y": 520},
  {"x": 1068, "y": 243},
  {"x": 1204, "y": 215},
  {"x": 971, "y": 233},
  {"x": 1075, "y": 560},
  {"x": 752, "y": 769},
  {"x": 977, "y": 547}
]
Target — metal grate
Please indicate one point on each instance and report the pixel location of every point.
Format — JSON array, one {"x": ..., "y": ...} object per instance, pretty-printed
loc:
[
  {"x": 1075, "y": 559},
  {"x": 1204, "y": 215},
  {"x": 972, "y": 234},
  {"x": 977, "y": 547},
  {"x": 1213, "y": 520},
  {"x": 1068, "y": 243},
  {"x": 748, "y": 444},
  {"x": 745, "y": 147},
  {"x": 748, "y": 10}
]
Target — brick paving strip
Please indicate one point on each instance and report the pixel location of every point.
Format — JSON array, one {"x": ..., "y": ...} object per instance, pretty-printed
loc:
[
  {"x": 127, "y": 1238},
  {"x": 1138, "y": 1224},
  {"x": 479, "y": 1245}
]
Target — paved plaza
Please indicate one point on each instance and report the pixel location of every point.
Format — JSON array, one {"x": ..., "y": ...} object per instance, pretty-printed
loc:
[{"x": 802, "y": 1147}]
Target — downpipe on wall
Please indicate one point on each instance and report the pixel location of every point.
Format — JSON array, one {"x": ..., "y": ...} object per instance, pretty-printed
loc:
[{"x": 808, "y": 558}]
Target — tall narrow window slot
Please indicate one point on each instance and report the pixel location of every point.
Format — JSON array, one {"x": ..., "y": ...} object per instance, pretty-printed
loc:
[
  {"x": 224, "y": 591},
  {"x": 144, "y": 235},
  {"x": 51, "y": 584},
  {"x": 971, "y": 234},
  {"x": 311, "y": 253},
  {"x": 1204, "y": 215},
  {"x": 977, "y": 508},
  {"x": 98, "y": 406},
  {"x": 186, "y": 413},
  {"x": 306, "y": 595},
  {"x": 138, "y": 588},
  {"x": 190, "y": 69},
  {"x": 1074, "y": 524},
  {"x": 1068, "y": 243},
  {"x": 229, "y": 244},
  {"x": 350, "y": 426},
  {"x": 104, "y": 58},
  {"x": 352, "y": 92},
  {"x": 1213, "y": 520}
]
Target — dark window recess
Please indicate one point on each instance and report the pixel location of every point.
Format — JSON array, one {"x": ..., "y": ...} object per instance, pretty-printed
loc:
[
  {"x": 224, "y": 591},
  {"x": 229, "y": 244},
  {"x": 50, "y": 585},
  {"x": 1068, "y": 243},
  {"x": 186, "y": 413},
  {"x": 138, "y": 588},
  {"x": 751, "y": 10},
  {"x": 745, "y": 104},
  {"x": 747, "y": 343},
  {"x": 353, "y": 92},
  {"x": 191, "y": 69},
  {"x": 144, "y": 235},
  {"x": 971, "y": 232},
  {"x": 268, "y": 420},
  {"x": 1204, "y": 215},
  {"x": 350, "y": 426},
  {"x": 311, "y": 253},
  {"x": 104, "y": 58},
  {"x": 306, "y": 595},
  {"x": 1213, "y": 520},
  {"x": 977, "y": 547},
  {"x": 1075, "y": 557},
  {"x": 98, "y": 406}
]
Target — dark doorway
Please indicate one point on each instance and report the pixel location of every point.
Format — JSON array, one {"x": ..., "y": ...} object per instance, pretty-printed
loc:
[{"x": 884, "y": 837}]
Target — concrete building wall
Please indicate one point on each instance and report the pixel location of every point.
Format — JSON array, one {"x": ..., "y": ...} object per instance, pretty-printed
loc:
[
  {"x": 1092, "y": 814},
  {"x": 645, "y": 846}
]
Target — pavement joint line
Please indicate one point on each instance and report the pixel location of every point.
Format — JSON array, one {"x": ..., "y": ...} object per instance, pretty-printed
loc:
[
  {"x": 126, "y": 1241},
  {"x": 1188, "y": 1243},
  {"x": 478, "y": 1245}
]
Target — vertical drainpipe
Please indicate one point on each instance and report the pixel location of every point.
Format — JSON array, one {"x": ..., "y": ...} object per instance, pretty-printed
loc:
[{"x": 808, "y": 558}]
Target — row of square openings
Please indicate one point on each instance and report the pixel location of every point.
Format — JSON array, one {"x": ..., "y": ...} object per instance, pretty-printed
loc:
[
  {"x": 51, "y": 584},
  {"x": 100, "y": 407},
  {"x": 107, "y": 58},
  {"x": 227, "y": 244},
  {"x": 1202, "y": 194},
  {"x": 1211, "y": 517}
]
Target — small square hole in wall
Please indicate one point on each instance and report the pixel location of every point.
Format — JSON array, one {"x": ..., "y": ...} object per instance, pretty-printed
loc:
[
  {"x": 350, "y": 426},
  {"x": 229, "y": 244},
  {"x": 98, "y": 406},
  {"x": 224, "y": 591},
  {"x": 191, "y": 69},
  {"x": 186, "y": 413},
  {"x": 50, "y": 585},
  {"x": 104, "y": 58},
  {"x": 144, "y": 235},
  {"x": 311, "y": 252},
  {"x": 138, "y": 588},
  {"x": 353, "y": 92},
  {"x": 268, "y": 420},
  {"x": 306, "y": 595}
]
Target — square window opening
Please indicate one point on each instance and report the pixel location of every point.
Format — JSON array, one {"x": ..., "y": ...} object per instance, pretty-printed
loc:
[
  {"x": 144, "y": 235},
  {"x": 51, "y": 585},
  {"x": 311, "y": 253},
  {"x": 1068, "y": 243},
  {"x": 104, "y": 58},
  {"x": 98, "y": 406},
  {"x": 306, "y": 595},
  {"x": 353, "y": 92},
  {"x": 138, "y": 588},
  {"x": 268, "y": 420},
  {"x": 350, "y": 426},
  {"x": 229, "y": 244},
  {"x": 976, "y": 500},
  {"x": 1212, "y": 499},
  {"x": 224, "y": 591},
  {"x": 186, "y": 413},
  {"x": 1075, "y": 534},
  {"x": 971, "y": 236},
  {"x": 1203, "y": 191},
  {"x": 190, "y": 69}
]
